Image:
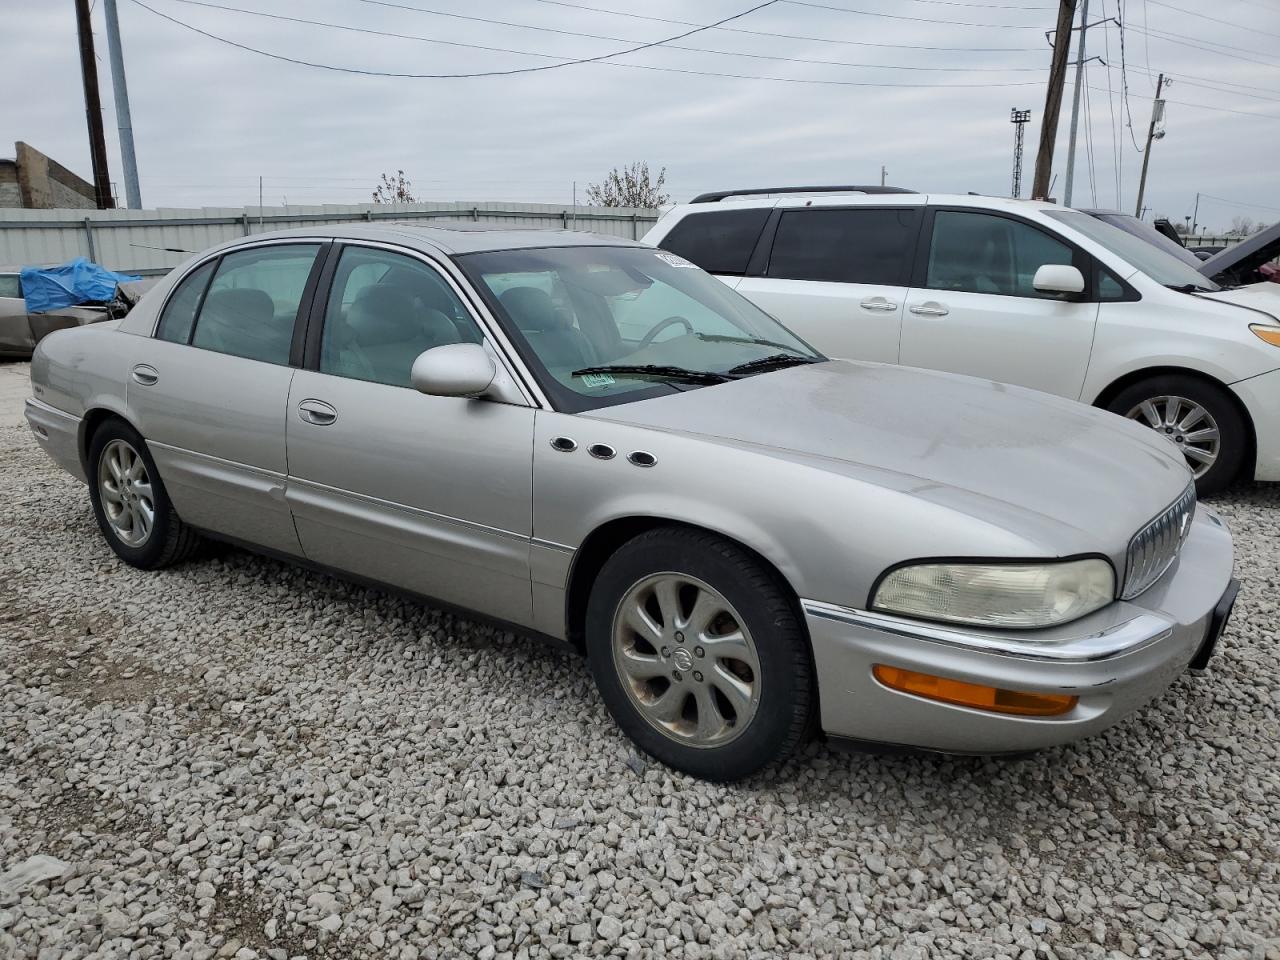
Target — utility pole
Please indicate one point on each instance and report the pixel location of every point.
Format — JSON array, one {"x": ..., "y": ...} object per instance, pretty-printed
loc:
[
  {"x": 1075, "y": 105},
  {"x": 1053, "y": 100},
  {"x": 1195, "y": 214},
  {"x": 1157, "y": 114},
  {"x": 120, "y": 90},
  {"x": 883, "y": 173},
  {"x": 93, "y": 107},
  {"x": 1019, "y": 120}
]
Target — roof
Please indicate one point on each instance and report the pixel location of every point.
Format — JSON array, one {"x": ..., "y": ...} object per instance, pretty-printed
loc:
[{"x": 451, "y": 238}]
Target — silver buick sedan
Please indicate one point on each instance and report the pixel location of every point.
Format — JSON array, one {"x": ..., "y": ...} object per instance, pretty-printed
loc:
[{"x": 594, "y": 440}]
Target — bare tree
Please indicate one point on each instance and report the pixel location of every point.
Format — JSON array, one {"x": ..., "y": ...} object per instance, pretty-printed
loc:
[
  {"x": 395, "y": 189},
  {"x": 1242, "y": 226},
  {"x": 630, "y": 186}
]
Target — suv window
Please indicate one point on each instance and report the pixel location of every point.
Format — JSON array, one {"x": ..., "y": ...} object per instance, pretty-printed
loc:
[
  {"x": 980, "y": 253},
  {"x": 11, "y": 285},
  {"x": 719, "y": 241},
  {"x": 253, "y": 300},
  {"x": 846, "y": 246},
  {"x": 384, "y": 310},
  {"x": 180, "y": 312}
]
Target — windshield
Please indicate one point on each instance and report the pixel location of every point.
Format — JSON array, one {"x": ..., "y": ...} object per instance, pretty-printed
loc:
[
  {"x": 1145, "y": 231},
  {"x": 1154, "y": 262},
  {"x": 602, "y": 325}
]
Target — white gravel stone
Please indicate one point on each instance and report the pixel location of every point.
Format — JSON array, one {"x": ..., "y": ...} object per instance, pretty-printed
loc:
[{"x": 239, "y": 756}]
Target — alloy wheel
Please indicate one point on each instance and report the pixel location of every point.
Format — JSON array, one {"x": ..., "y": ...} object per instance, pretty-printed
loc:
[
  {"x": 686, "y": 660},
  {"x": 1187, "y": 424},
  {"x": 125, "y": 489}
]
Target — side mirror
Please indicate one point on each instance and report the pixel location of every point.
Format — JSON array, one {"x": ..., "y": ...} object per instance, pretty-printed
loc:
[
  {"x": 1058, "y": 278},
  {"x": 453, "y": 370}
]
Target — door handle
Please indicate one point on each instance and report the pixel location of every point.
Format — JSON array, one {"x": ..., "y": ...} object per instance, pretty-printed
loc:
[
  {"x": 930, "y": 308},
  {"x": 878, "y": 303},
  {"x": 317, "y": 412},
  {"x": 145, "y": 374}
]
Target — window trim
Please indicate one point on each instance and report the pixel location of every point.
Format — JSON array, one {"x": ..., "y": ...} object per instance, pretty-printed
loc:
[
  {"x": 314, "y": 323},
  {"x": 1081, "y": 258},
  {"x": 771, "y": 230}
]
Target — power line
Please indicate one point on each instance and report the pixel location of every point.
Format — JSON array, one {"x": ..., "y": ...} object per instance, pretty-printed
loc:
[
  {"x": 1111, "y": 103},
  {"x": 1208, "y": 106},
  {"x": 1198, "y": 43},
  {"x": 897, "y": 16},
  {"x": 1237, "y": 203},
  {"x": 1205, "y": 16},
  {"x": 788, "y": 36},
  {"x": 602, "y": 59},
  {"x": 442, "y": 76}
]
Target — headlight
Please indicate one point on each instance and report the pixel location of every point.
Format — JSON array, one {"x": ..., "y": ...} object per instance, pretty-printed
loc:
[{"x": 998, "y": 594}]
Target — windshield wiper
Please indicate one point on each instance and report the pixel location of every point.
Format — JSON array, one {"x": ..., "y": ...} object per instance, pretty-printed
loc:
[
  {"x": 775, "y": 361},
  {"x": 655, "y": 371},
  {"x": 725, "y": 338}
]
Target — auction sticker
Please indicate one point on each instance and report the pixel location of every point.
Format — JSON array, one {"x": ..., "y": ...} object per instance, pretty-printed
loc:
[{"x": 675, "y": 261}]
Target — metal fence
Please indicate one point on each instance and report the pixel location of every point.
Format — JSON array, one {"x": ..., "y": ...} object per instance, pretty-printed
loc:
[{"x": 151, "y": 242}]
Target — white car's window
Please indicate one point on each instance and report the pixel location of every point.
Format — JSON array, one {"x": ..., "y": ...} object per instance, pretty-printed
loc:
[
  {"x": 980, "y": 253},
  {"x": 578, "y": 314},
  {"x": 252, "y": 303},
  {"x": 384, "y": 310},
  {"x": 1154, "y": 262},
  {"x": 180, "y": 312},
  {"x": 10, "y": 285},
  {"x": 719, "y": 241},
  {"x": 845, "y": 246}
]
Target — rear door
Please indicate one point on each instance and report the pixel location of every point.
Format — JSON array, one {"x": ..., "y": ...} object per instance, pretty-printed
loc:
[
  {"x": 837, "y": 276},
  {"x": 975, "y": 311},
  {"x": 209, "y": 390},
  {"x": 15, "y": 329}
]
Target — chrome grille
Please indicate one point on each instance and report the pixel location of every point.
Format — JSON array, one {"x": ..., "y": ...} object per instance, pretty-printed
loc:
[{"x": 1156, "y": 546}]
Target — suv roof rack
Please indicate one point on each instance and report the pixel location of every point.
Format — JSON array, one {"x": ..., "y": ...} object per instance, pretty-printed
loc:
[{"x": 717, "y": 195}]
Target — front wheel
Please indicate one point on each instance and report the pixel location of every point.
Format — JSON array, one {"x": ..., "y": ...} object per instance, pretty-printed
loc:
[
  {"x": 1199, "y": 418},
  {"x": 699, "y": 654}
]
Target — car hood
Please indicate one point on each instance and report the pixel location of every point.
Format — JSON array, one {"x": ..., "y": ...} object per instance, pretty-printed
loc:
[
  {"x": 1239, "y": 262},
  {"x": 1263, "y": 296},
  {"x": 1025, "y": 461}
]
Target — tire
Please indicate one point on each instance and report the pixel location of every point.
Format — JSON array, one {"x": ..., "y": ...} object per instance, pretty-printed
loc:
[
  {"x": 1164, "y": 402},
  {"x": 165, "y": 540},
  {"x": 749, "y": 695}
]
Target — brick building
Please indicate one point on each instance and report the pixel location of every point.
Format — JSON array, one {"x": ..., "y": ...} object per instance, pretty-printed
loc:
[{"x": 33, "y": 181}]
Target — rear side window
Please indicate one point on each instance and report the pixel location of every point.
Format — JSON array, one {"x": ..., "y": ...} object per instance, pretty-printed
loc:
[
  {"x": 845, "y": 246},
  {"x": 10, "y": 285},
  {"x": 180, "y": 312},
  {"x": 718, "y": 241},
  {"x": 253, "y": 300}
]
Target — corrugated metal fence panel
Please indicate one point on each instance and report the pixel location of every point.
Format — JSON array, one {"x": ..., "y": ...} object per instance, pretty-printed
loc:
[{"x": 154, "y": 241}]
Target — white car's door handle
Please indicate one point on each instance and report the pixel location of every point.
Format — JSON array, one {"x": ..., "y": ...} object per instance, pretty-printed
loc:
[
  {"x": 317, "y": 412},
  {"x": 145, "y": 374},
  {"x": 930, "y": 308},
  {"x": 878, "y": 303}
]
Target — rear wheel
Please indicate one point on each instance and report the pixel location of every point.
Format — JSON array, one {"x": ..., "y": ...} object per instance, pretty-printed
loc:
[
  {"x": 699, "y": 654},
  {"x": 1198, "y": 418},
  {"x": 130, "y": 503}
]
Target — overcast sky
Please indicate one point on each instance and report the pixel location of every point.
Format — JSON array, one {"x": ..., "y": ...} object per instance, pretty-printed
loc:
[{"x": 209, "y": 118}]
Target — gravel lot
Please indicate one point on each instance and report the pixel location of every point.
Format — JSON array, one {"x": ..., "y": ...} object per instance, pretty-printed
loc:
[{"x": 239, "y": 759}]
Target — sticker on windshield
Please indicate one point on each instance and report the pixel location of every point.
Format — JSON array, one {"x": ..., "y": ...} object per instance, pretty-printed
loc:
[
  {"x": 674, "y": 260},
  {"x": 597, "y": 379}
]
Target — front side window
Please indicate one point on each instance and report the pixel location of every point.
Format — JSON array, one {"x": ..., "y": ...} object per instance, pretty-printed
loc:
[
  {"x": 251, "y": 306},
  {"x": 180, "y": 312},
  {"x": 384, "y": 310},
  {"x": 845, "y": 246},
  {"x": 718, "y": 241},
  {"x": 980, "y": 253},
  {"x": 577, "y": 314}
]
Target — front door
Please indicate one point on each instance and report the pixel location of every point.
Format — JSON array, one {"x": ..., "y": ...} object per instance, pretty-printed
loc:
[
  {"x": 209, "y": 391},
  {"x": 976, "y": 312},
  {"x": 431, "y": 494},
  {"x": 838, "y": 276}
]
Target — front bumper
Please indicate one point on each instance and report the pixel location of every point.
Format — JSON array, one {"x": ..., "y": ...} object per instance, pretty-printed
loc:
[
  {"x": 1114, "y": 660},
  {"x": 1261, "y": 397}
]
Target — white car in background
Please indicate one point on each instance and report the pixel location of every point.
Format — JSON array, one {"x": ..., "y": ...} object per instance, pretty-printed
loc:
[{"x": 1014, "y": 291}]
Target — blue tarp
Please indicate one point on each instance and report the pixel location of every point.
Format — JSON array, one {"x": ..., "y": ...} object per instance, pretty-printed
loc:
[{"x": 79, "y": 281}]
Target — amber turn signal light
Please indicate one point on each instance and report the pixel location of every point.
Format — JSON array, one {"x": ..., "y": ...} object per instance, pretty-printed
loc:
[
  {"x": 1021, "y": 703},
  {"x": 1265, "y": 331}
]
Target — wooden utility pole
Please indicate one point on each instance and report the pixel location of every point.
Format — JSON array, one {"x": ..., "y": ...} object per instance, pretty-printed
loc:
[
  {"x": 93, "y": 107},
  {"x": 1157, "y": 113},
  {"x": 1053, "y": 99}
]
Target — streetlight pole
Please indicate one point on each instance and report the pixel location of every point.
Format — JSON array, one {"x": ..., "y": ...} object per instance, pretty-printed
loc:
[
  {"x": 120, "y": 90},
  {"x": 1075, "y": 105}
]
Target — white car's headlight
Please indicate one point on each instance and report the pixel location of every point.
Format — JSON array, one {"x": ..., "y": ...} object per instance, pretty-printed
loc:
[{"x": 998, "y": 594}]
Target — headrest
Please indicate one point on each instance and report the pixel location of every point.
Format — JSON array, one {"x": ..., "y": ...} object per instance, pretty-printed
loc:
[
  {"x": 533, "y": 310},
  {"x": 381, "y": 314},
  {"x": 253, "y": 305}
]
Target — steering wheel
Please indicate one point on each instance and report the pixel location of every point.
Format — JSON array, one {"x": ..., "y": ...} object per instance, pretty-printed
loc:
[{"x": 662, "y": 325}]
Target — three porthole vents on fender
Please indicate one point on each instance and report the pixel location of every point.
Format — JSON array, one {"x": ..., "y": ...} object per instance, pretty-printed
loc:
[{"x": 603, "y": 451}]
